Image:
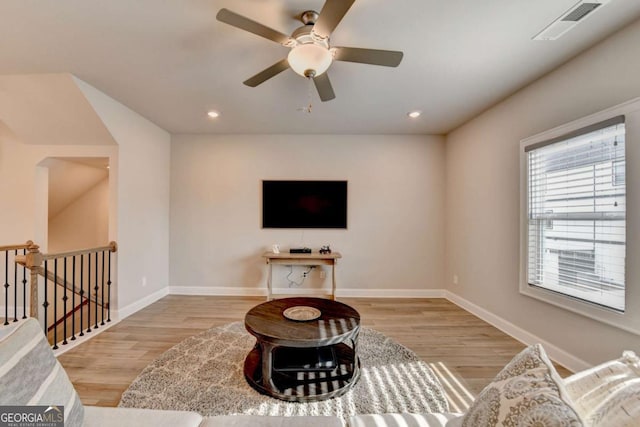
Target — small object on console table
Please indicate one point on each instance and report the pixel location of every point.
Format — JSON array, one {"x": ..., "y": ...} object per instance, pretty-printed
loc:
[
  {"x": 300, "y": 251},
  {"x": 325, "y": 249}
]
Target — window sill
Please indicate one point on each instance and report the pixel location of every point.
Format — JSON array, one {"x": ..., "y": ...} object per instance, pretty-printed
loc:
[{"x": 605, "y": 315}]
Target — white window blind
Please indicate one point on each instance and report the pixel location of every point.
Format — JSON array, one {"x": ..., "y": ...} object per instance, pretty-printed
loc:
[{"x": 576, "y": 203}]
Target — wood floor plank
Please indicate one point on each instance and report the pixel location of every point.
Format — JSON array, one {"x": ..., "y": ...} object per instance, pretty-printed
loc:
[{"x": 464, "y": 351}]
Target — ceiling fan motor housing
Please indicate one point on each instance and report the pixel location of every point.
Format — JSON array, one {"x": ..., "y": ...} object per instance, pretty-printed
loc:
[
  {"x": 309, "y": 17},
  {"x": 310, "y": 57}
]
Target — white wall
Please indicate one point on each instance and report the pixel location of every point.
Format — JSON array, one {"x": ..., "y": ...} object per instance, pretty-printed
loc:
[
  {"x": 394, "y": 240},
  {"x": 482, "y": 194},
  {"x": 142, "y": 204},
  {"x": 84, "y": 223},
  {"x": 23, "y": 186},
  {"x": 138, "y": 195},
  {"x": 68, "y": 179}
]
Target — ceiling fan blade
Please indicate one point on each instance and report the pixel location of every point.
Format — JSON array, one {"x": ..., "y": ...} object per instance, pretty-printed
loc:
[
  {"x": 267, "y": 73},
  {"x": 387, "y": 58},
  {"x": 330, "y": 16},
  {"x": 239, "y": 21},
  {"x": 323, "y": 85}
]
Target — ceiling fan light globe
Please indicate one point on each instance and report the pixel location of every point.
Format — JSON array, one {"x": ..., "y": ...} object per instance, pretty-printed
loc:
[{"x": 309, "y": 57}]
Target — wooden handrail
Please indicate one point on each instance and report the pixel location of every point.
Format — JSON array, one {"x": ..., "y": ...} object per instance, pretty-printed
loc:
[
  {"x": 112, "y": 247},
  {"x": 34, "y": 259},
  {"x": 16, "y": 247}
]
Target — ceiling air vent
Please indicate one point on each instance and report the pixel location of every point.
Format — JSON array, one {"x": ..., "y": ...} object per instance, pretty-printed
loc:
[{"x": 569, "y": 19}]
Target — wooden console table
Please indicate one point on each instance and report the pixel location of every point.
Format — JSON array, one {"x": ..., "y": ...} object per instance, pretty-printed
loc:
[{"x": 314, "y": 258}]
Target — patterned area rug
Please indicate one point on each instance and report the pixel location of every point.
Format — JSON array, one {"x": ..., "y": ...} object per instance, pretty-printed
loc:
[{"x": 204, "y": 374}]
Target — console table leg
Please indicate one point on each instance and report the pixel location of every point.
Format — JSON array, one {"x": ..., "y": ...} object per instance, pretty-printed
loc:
[
  {"x": 269, "y": 294},
  {"x": 333, "y": 280}
]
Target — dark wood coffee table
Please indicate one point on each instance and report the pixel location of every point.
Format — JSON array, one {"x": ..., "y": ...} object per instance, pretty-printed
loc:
[{"x": 303, "y": 361}]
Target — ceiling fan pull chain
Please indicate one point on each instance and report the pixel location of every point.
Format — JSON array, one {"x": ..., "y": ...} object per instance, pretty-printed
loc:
[
  {"x": 310, "y": 93},
  {"x": 307, "y": 109}
]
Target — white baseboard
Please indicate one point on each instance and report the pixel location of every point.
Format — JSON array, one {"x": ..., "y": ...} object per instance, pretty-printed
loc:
[
  {"x": 63, "y": 348},
  {"x": 9, "y": 316},
  {"x": 86, "y": 337},
  {"x": 261, "y": 291},
  {"x": 217, "y": 291},
  {"x": 556, "y": 353},
  {"x": 391, "y": 293},
  {"x": 127, "y": 311},
  {"x": 12, "y": 311},
  {"x": 116, "y": 317}
]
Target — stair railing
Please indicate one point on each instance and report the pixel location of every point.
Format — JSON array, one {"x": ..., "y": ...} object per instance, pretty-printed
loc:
[
  {"x": 14, "y": 282},
  {"x": 84, "y": 276},
  {"x": 75, "y": 295}
]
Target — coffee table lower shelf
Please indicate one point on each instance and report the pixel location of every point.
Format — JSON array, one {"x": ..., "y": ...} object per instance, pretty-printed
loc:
[{"x": 305, "y": 385}]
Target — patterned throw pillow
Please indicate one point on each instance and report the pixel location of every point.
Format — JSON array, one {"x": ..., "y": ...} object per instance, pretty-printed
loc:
[
  {"x": 31, "y": 375},
  {"x": 527, "y": 392}
]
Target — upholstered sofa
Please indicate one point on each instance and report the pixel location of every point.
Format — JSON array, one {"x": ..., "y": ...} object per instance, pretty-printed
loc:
[
  {"x": 31, "y": 375},
  {"x": 527, "y": 391}
]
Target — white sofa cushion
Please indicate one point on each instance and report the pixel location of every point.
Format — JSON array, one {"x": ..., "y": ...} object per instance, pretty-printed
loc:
[
  {"x": 269, "y": 421},
  {"x": 528, "y": 391},
  {"x": 95, "y": 416},
  {"x": 608, "y": 394},
  {"x": 31, "y": 375},
  {"x": 402, "y": 420},
  {"x": 620, "y": 409}
]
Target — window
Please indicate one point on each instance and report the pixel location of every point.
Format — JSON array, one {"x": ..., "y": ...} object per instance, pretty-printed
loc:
[{"x": 576, "y": 214}]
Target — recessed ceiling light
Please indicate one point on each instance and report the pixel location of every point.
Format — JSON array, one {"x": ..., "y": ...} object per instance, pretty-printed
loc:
[
  {"x": 213, "y": 114},
  {"x": 414, "y": 114}
]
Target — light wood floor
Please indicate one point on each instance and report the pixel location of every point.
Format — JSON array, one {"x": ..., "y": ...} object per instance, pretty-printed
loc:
[{"x": 464, "y": 351}]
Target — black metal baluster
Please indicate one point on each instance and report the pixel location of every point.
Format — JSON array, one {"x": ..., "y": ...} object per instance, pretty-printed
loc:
[
  {"x": 88, "y": 292},
  {"x": 55, "y": 304},
  {"x": 95, "y": 293},
  {"x": 24, "y": 286},
  {"x": 64, "y": 304},
  {"x": 73, "y": 298},
  {"x": 45, "y": 304},
  {"x": 6, "y": 287},
  {"x": 109, "y": 290},
  {"x": 15, "y": 287},
  {"x": 81, "y": 295},
  {"x": 102, "y": 286}
]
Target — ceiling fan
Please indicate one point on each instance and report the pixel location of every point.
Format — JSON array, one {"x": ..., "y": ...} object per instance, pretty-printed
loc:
[{"x": 311, "y": 53}]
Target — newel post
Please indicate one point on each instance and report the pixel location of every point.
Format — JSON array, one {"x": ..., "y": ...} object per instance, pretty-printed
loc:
[{"x": 33, "y": 263}]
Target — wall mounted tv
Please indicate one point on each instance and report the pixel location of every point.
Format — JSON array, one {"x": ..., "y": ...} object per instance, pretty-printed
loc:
[{"x": 304, "y": 204}]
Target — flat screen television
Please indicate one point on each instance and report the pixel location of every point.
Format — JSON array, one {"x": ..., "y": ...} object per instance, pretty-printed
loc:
[{"x": 304, "y": 204}]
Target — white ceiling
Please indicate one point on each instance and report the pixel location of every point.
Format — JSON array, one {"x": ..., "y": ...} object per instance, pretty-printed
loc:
[
  {"x": 49, "y": 109},
  {"x": 172, "y": 61}
]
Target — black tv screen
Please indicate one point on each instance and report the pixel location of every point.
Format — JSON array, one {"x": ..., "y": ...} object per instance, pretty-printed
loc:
[{"x": 304, "y": 204}]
